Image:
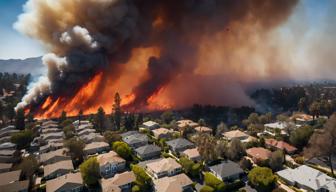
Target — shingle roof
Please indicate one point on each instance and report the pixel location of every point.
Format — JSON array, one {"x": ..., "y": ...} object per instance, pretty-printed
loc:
[
  {"x": 192, "y": 153},
  {"x": 163, "y": 165},
  {"x": 112, "y": 184},
  {"x": 234, "y": 134},
  {"x": 66, "y": 165},
  {"x": 59, "y": 152},
  {"x": 109, "y": 157},
  {"x": 131, "y": 139},
  {"x": 172, "y": 184},
  {"x": 259, "y": 152},
  {"x": 55, "y": 184},
  {"x": 9, "y": 177},
  {"x": 96, "y": 145},
  {"x": 150, "y": 123},
  {"x": 179, "y": 142},
  {"x": 227, "y": 169},
  {"x": 309, "y": 177},
  {"x": 160, "y": 131},
  {"x": 147, "y": 149},
  {"x": 15, "y": 186},
  {"x": 128, "y": 133},
  {"x": 280, "y": 145}
]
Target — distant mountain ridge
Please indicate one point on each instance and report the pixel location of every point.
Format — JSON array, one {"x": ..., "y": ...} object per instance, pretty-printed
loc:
[{"x": 32, "y": 65}]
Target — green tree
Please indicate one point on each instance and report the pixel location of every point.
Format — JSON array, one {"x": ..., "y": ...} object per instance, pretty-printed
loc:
[
  {"x": 22, "y": 139},
  {"x": 214, "y": 182},
  {"x": 245, "y": 164},
  {"x": 277, "y": 159},
  {"x": 90, "y": 171},
  {"x": 80, "y": 116},
  {"x": 300, "y": 137},
  {"x": 20, "y": 119},
  {"x": 28, "y": 166},
  {"x": 122, "y": 149},
  {"x": 136, "y": 188},
  {"x": 63, "y": 116},
  {"x": 167, "y": 116},
  {"x": 100, "y": 119},
  {"x": 324, "y": 143},
  {"x": 221, "y": 128},
  {"x": 262, "y": 178},
  {"x": 111, "y": 137},
  {"x": 191, "y": 168},
  {"x": 236, "y": 150},
  {"x": 117, "y": 111},
  {"x": 76, "y": 149},
  {"x": 142, "y": 178}
]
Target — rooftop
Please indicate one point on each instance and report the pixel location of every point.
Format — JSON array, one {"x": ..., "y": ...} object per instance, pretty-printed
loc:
[
  {"x": 112, "y": 184},
  {"x": 259, "y": 152},
  {"x": 227, "y": 169},
  {"x": 191, "y": 153},
  {"x": 147, "y": 149},
  {"x": 280, "y": 145},
  {"x": 96, "y": 145},
  {"x": 179, "y": 142},
  {"x": 163, "y": 165},
  {"x": 172, "y": 184},
  {"x": 59, "y": 152},
  {"x": 203, "y": 129},
  {"x": 9, "y": 177},
  {"x": 109, "y": 157},
  {"x": 55, "y": 184},
  {"x": 234, "y": 134},
  {"x": 49, "y": 169},
  {"x": 310, "y": 177}
]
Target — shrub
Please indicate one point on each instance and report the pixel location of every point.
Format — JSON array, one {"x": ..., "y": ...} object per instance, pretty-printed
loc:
[
  {"x": 213, "y": 181},
  {"x": 262, "y": 178}
]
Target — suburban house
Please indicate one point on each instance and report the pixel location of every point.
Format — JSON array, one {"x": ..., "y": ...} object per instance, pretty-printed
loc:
[
  {"x": 54, "y": 156},
  {"x": 5, "y": 139},
  {"x": 192, "y": 154},
  {"x": 51, "y": 146},
  {"x": 50, "y": 130},
  {"x": 110, "y": 163},
  {"x": 91, "y": 137},
  {"x": 70, "y": 182},
  {"x": 280, "y": 145},
  {"x": 258, "y": 154},
  {"x": 237, "y": 134},
  {"x": 302, "y": 119},
  {"x": 227, "y": 171},
  {"x": 121, "y": 182},
  {"x": 186, "y": 122},
  {"x": 17, "y": 186},
  {"x": 85, "y": 132},
  {"x": 148, "y": 152},
  {"x": 164, "y": 167},
  {"x": 136, "y": 140},
  {"x": 177, "y": 183},
  {"x": 203, "y": 129},
  {"x": 5, "y": 167},
  {"x": 150, "y": 125},
  {"x": 9, "y": 156},
  {"x": 8, "y": 132},
  {"x": 57, "y": 169},
  {"x": 179, "y": 145},
  {"x": 323, "y": 162},
  {"x": 7, "y": 146},
  {"x": 128, "y": 133},
  {"x": 49, "y": 136},
  {"x": 162, "y": 133},
  {"x": 273, "y": 128},
  {"x": 307, "y": 178},
  {"x": 10, "y": 177},
  {"x": 96, "y": 147}
]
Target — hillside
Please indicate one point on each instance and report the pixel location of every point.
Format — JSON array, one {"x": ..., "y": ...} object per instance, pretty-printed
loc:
[{"x": 33, "y": 66}]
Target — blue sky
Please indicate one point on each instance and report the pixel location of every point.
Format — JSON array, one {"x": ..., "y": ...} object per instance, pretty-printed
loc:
[
  {"x": 15, "y": 45},
  {"x": 12, "y": 43}
]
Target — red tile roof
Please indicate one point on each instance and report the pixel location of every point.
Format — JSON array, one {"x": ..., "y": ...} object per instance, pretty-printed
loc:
[{"x": 280, "y": 145}]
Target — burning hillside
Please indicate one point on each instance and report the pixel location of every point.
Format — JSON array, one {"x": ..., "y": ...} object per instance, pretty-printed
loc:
[{"x": 157, "y": 54}]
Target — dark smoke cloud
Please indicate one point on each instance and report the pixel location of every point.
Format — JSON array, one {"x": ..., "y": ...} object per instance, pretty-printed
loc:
[{"x": 89, "y": 36}]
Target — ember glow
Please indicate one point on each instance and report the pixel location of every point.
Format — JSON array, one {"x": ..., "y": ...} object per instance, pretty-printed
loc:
[{"x": 157, "y": 54}]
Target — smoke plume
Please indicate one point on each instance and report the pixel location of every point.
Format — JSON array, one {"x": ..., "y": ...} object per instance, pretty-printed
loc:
[{"x": 156, "y": 53}]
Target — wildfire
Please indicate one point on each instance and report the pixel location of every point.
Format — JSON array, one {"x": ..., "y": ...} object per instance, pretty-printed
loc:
[{"x": 99, "y": 91}]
